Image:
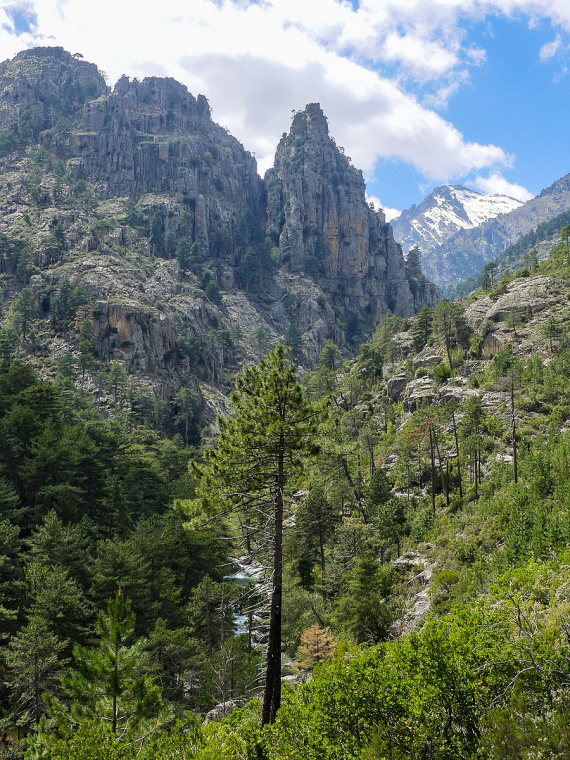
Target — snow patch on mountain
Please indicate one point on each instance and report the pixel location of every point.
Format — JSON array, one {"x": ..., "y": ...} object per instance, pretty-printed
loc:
[{"x": 446, "y": 210}]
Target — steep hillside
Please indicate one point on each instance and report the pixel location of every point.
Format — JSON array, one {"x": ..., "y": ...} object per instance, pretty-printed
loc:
[
  {"x": 443, "y": 212},
  {"x": 466, "y": 252},
  {"x": 526, "y": 253}
]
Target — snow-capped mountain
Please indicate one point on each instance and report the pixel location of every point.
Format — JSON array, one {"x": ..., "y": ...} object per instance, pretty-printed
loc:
[{"x": 445, "y": 211}]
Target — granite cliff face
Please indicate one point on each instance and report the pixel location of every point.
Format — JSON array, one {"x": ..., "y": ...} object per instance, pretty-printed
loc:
[
  {"x": 186, "y": 265},
  {"x": 155, "y": 137},
  {"x": 317, "y": 212}
]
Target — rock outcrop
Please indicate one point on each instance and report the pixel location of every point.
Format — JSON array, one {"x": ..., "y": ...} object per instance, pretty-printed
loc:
[
  {"x": 154, "y": 137},
  {"x": 41, "y": 87},
  {"x": 525, "y": 297},
  {"x": 317, "y": 212}
]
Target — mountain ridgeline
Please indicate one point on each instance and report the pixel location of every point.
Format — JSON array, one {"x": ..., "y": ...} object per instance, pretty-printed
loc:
[
  {"x": 445, "y": 211},
  {"x": 457, "y": 249},
  {"x": 188, "y": 263}
]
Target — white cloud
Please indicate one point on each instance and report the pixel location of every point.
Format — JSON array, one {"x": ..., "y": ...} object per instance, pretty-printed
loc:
[
  {"x": 255, "y": 61},
  {"x": 496, "y": 184},
  {"x": 425, "y": 58},
  {"x": 550, "y": 49},
  {"x": 441, "y": 97},
  {"x": 389, "y": 213}
]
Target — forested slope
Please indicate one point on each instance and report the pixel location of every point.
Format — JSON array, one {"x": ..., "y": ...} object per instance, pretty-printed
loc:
[{"x": 426, "y": 528}]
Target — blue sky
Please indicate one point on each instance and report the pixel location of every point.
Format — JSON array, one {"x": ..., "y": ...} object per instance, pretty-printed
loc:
[
  {"x": 514, "y": 100},
  {"x": 419, "y": 92}
]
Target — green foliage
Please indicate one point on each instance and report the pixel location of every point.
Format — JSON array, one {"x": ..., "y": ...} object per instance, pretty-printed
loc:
[
  {"x": 113, "y": 681},
  {"x": 370, "y": 362},
  {"x": 257, "y": 266},
  {"x": 449, "y": 326},
  {"x": 422, "y": 328},
  {"x": 362, "y": 613},
  {"x": 294, "y": 339},
  {"x": 34, "y": 660}
]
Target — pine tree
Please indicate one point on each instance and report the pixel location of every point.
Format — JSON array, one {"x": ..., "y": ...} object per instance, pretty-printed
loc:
[
  {"x": 565, "y": 235},
  {"x": 117, "y": 381},
  {"x": 315, "y": 522},
  {"x": 55, "y": 598},
  {"x": 9, "y": 502},
  {"x": 210, "y": 611},
  {"x": 422, "y": 327},
  {"x": 259, "y": 451},
  {"x": 363, "y": 612},
  {"x": 10, "y": 573},
  {"x": 22, "y": 313},
  {"x": 112, "y": 681},
  {"x": 34, "y": 659},
  {"x": 316, "y": 646},
  {"x": 472, "y": 428},
  {"x": 56, "y": 543},
  {"x": 186, "y": 406},
  {"x": 551, "y": 331},
  {"x": 119, "y": 565},
  {"x": 448, "y": 321},
  {"x": 294, "y": 339}
]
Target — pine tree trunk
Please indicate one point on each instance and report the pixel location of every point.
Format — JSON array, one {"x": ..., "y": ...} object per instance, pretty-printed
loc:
[
  {"x": 514, "y": 433},
  {"x": 272, "y": 694},
  {"x": 457, "y": 454},
  {"x": 444, "y": 480},
  {"x": 323, "y": 561},
  {"x": 432, "y": 463}
]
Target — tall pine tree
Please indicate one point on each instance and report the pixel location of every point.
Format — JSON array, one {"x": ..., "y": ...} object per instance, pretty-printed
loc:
[{"x": 260, "y": 450}]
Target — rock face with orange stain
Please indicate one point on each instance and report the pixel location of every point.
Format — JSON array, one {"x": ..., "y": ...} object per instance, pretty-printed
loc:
[
  {"x": 141, "y": 338},
  {"x": 318, "y": 214}
]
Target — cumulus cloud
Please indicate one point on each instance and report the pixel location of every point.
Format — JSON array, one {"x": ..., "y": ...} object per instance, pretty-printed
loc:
[
  {"x": 496, "y": 184},
  {"x": 256, "y": 60},
  {"x": 425, "y": 58}
]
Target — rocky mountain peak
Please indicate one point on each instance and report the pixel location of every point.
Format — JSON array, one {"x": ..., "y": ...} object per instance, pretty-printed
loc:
[
  {"x": 311, "y": 120},
  {"x": 166, "y": 97},
  {"x": 317, "y": 212},
  {"x": 40, "y": 86},
  {"x": 463, "y": 250},
  {"x": 448, "y": 210}
]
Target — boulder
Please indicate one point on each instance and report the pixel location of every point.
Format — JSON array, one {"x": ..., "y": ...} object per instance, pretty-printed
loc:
[
  {"x": 419, "y": 392},
  {"x": 454, "y": 393},
  {"x": 395, "y": 386},
  {"x": 428, "y": 356},
  {"x": 491, "y": 345}
]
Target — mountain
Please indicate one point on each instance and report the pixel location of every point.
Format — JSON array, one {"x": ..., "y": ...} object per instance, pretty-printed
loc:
[
  {"x": 396, "y": 514},
  {"x": 465, "y": 253},
  {"x": 443, "y": 212},
  {"x": 318, "y": 215},
  {"x": 530, "y": 249},
  {"x": 185, "y": 263}
]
